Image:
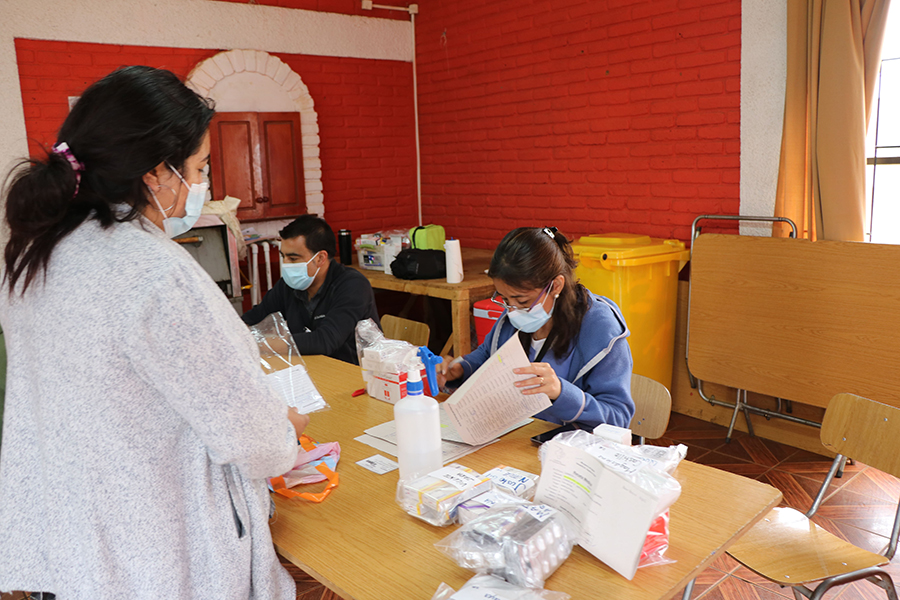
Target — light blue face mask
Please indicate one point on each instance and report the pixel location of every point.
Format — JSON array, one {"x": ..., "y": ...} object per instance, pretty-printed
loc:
[
  {"x": 174, "y": 226},
  {"x": 534, "y": 318},
  {"x": 297, "y": 276}
]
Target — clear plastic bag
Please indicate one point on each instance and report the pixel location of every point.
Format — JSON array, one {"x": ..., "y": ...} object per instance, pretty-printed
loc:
[
  {"x": 435, "y": 497},
  {"x": 475, "y": 507},
  {"x": 284, "y": 367},
  {"x": 523, "y": 544},
  {"x": 648, "y": 467},
  {"x": 488, "y": 587}
]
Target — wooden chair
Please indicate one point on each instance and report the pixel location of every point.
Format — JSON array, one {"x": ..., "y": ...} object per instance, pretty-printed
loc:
[
  {"x": 397, "y": 328},
  {"x": 652, "y": 407},
  {"x": 788, "y": 549}
]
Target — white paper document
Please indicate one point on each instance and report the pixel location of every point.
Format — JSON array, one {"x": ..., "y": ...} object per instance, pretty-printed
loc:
[
  {"x": 611, "y": 513},
  {"x": 388, "y": 431},
  {"x": 297, "y": 389},
  {"x": 488, "y": 404},
  {"x": 450, "y": 451},
  {"x": 378, "y": 464}
]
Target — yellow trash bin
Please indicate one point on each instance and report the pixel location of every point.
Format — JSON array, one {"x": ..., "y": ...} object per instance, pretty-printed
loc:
[{"x": 640, "y": 274}]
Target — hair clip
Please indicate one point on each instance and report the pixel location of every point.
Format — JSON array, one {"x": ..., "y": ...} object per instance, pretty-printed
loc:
[
  {"x": 63, "y": 150},
  {"x": 551, "y": 232}
]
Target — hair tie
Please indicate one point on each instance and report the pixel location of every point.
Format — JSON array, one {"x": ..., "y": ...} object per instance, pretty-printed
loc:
[
  {"x": 63, "y": 150},
  {"x": 551, "y": 232}
]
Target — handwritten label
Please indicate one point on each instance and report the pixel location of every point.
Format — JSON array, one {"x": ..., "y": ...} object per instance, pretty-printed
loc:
[
  {"x": 541, "y": 512},
  {"x": 509, "y": 480},
  {"x": 457, "y": 477}
]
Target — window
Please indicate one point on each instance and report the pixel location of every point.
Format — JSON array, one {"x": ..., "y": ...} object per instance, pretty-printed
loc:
[{"x": 883, "y": 143}]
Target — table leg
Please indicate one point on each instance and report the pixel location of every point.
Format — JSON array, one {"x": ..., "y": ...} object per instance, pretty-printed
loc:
[{"x": 462, "y": 343}]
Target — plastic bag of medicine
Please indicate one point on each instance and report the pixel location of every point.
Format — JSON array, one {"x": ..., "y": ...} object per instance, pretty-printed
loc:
[
  {"x": 630, "y": 491},
  {"x": 523, "y": 544},
  {"x": 284, "y": 367},
  {"x": 488, "y": 587}
]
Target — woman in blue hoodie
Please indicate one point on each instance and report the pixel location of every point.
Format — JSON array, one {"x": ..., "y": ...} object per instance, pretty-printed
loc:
[{"x": 574, "y": 338}]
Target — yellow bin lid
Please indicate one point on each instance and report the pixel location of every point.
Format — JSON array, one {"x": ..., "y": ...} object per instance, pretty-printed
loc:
[{"x": 628, "y": 250}]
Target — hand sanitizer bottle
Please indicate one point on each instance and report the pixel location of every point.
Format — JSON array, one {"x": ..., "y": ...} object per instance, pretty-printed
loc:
[{"x": 418, "y": 422}]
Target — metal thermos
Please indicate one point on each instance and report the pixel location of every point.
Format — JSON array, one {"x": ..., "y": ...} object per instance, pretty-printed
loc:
[{"x": 345, "y": 246}]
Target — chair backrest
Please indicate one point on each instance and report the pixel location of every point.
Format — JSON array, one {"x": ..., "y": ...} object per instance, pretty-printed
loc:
[
  {"x": 398, "y": 328},
  {"x": 863, "y": 430},
  {"x": 652, "y": 407}
]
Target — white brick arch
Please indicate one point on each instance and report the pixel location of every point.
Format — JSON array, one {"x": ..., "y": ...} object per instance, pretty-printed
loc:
[{"x": 256, "y": 81}]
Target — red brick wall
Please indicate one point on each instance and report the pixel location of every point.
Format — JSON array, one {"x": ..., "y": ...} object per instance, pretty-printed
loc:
[
  {"x": 365, "y": 111},
  {"x": 591, "y": 115}
]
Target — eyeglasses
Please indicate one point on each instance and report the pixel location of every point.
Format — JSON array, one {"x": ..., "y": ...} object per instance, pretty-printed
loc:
[{"x": 497, "y": 299}]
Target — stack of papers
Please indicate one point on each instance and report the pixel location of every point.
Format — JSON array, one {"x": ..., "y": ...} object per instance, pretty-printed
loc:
[{"x": 384, "y": 438}]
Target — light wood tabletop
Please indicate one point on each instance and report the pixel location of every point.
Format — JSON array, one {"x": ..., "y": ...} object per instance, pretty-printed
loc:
[
  {"x": 476, "y": 285},
  {"x": 363, "y": 546}
]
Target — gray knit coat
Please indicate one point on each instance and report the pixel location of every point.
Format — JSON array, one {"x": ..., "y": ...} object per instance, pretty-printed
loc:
[{"x": 138, "y": 430}]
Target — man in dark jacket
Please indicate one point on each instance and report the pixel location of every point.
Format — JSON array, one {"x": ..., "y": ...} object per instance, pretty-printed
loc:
[{"x": 321, "y": 299}]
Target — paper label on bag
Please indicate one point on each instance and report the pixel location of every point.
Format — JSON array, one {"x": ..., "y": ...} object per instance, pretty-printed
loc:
[
  {"x": 475, "y": 591},
  {"x": 457, "y": 477},
  {"x": 509, "y": 480},
  {"x": 617, "y": 458},
  {"x": 541, "y": 512},
  {"x": 378, "y": 464},
  {"x": 297, "y": 389}
]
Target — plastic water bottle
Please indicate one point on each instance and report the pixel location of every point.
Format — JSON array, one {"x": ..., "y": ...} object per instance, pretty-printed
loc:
[{"x": 418, "y": 422}]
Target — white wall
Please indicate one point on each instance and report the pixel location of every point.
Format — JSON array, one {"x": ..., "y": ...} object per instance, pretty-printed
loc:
[
  {"x": 181, "y": 24},
  {"x": 763, "y": 74}
]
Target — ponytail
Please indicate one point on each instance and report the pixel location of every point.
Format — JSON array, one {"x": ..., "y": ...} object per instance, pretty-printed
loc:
[{"x": 41, "y": 209}]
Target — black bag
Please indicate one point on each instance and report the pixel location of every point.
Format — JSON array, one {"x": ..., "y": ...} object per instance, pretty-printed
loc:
[{"x": 420, "y": 264}]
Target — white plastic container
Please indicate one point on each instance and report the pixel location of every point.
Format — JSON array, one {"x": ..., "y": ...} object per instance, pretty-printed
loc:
[{"x": 418, "y": 422}]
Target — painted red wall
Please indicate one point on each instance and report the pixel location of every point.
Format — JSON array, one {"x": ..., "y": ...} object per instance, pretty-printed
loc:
[
  {"x": 365, "y": 111},
  {"x": 591, "y": 115}
]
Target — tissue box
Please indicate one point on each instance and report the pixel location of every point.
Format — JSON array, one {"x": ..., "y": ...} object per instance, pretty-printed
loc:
[
  {"x": 515, "y": 481},
  {"x": 435, "y": 497}
]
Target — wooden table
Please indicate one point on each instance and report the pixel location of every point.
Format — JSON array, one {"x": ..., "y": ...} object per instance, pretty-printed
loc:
[
  {"x": 475, "y": 286},
  {"x": 360, "y": 543}
]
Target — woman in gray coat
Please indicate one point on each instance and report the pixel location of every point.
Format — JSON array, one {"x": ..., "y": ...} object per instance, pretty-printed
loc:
[{"x": 139, "y": 428}]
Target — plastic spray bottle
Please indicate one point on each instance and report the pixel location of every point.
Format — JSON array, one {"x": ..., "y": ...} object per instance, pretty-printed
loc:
[{"x": 418, "y": 422}]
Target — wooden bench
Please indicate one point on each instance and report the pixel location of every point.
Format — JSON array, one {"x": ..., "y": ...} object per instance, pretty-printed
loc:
[{"x": 793, "y": 319}]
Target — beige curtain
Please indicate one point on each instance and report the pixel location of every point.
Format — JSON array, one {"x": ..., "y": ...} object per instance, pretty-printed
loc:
[{"x": 833, "y": 57}]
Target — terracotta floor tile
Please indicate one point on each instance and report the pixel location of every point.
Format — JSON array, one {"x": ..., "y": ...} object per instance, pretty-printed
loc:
[
  {"x": 758, "y": 450},
  {"x": 705, "y": 581},
  {"x": 862, "y": 590},
  {"x": 733, "y": 588},
  {"x": 795, "y": 494},
  {"x": 805, "y": 462},
  {"x": 861, "y": 511},
  {"x": 751, "y": 576},
  {"x": 876, "y": 484},
  {"x": 732, "y": 465},
  {"x": 725, "y": 563}
]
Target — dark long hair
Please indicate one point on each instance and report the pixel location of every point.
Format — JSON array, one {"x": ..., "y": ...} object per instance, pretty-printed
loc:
[
  {"x": 122, "y": 127},
  {"x": 529, "y": 258}
]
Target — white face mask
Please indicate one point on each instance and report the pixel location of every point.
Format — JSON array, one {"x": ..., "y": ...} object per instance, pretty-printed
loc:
[{"x": 193, "y": 206}]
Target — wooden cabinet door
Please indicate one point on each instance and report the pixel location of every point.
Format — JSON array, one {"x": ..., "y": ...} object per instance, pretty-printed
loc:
[
  {"x": 235, "y": 167},
  {"x": 282, "y": 160},
  {"x": 258, "y": 158}
]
